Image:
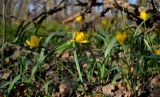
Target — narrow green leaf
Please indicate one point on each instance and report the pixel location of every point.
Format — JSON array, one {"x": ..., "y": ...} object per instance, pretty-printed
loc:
[
  {"x": 46, "y": 87},
  {"x": 2, "y": 85},
  {"x": 147, "y": 44},
  {"x": 116, "y": 77},
  {"x": 102, "y": 70},
  {"x": 62, "y": 47},
  {"x": 48, "y": 39},
  {"x": 153, "y": 57},
  {"x": 13, "y": 82},
  {"x": 23, "y": 65},
  {"x": 77, "y": 64},
  {"x": 109, "y": 48},
  {"x": 40, "y": 62}
]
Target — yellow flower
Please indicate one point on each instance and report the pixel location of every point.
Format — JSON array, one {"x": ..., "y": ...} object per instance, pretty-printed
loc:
[
  {"x": 79, "y": 37},
  {"x": 79, "y": 19},
  {"x": 34, "y": 42},
  {"x": 157, "y": 52},
  {"x": 120, "y": 37},
  {"x": 104, "y": 22},
  {"x": 143, "y": 15}
]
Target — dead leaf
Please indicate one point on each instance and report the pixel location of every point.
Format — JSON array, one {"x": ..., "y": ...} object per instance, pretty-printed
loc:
[
  {"x": 55, "y": 95},
  {"x": 127, "y": 94},
  {"x": 155, "y": 92},
  {"x": 65, "y": 89},
  {"x": 15, "y": 55},
  {"x": 6, "y": 74},
  {"x": 98, "y": 89},
  {"x": 65, "y": 56},
  {"x": 84, "y": 65},
  {"x": 118, "y": 94},
  {"x": 155, "y": 81},
  {"x": 119, "y": 85},
  {"x": 107, "y": 90},
  {"x": 93, "y": 79}
]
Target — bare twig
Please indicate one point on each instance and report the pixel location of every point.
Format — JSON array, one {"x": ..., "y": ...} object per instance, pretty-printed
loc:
[
  {"x": 21, "y": 27},
  {"x": 42, "y": 17},
  {"x": 153, "y": 5},
  {"x": 71, "y": 18}
]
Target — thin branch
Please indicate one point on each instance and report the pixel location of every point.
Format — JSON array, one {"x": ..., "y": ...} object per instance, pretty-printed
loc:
[
  {"x": 42, "y": 17},
  {"x": 85, "y": 4},
  {"x": 80, "y": 2},
  {"x": 153, "y": 5}
]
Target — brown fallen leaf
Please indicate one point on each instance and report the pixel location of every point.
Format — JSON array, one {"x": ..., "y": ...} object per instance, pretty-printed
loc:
[
  {"x": 55, "y": 95},
  {"x": 119, "y": 86},
  {"x": 93, "y": 79},
  {"x": 118, "y": 94},
  {"x": 16, "y": 54},
  {"x": 107, "y": 89},
  {"x": 98, "y": 95},
  {"x": 85, "y": 65},
  {"x": 155, "y": 92},
  {"x": 6, "y": 74},
  {"x": 65, "y": 89},
  {"x": 155, "y": 81},
  {"x": 127, "y": 94},
  {"x": 65, "y": 56}
]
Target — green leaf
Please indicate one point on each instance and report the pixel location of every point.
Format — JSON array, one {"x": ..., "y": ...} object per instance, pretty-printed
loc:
[
  {"x": 46, "y": 87},
  {"x": 153, "y": 57},
  {"x": 2, "y": 85},
  {"x": 48, "y": 39},
  {"x": 39, "y": 63},
  {"x": 77, "y": 64},
  {"x": 109, "y": 47},
  {"x": 116, "y": 77},
  {"x": 62, "y": 47},
  {"x": 23, "y": 65},
  {"x": 148, "y": 46},
  {"x": 102, "y": 70},
  {"x": 13, "y": 82}
]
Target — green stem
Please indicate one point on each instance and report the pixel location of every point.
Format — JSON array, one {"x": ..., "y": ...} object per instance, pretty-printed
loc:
[{"x": 77, "y": 64}]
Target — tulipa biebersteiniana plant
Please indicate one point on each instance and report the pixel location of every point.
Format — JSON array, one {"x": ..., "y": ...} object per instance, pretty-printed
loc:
[{"x": 33, "y": 42}]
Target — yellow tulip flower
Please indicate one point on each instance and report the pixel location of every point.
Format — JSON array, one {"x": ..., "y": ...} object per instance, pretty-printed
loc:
[
  {"x": 79, "y": 37},
  {"x": 157, "y": 52},
  {"x": 121, "y": 37},
  {"x": 143, "y": 15},
  {"x": 33, "y": 42},
  {"x": 79, "y": 19}
]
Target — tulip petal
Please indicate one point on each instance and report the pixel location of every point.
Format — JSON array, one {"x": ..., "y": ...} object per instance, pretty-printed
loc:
[
  {"x": 28, "y": 43},
  {"x": 35, "y": 41},
  {"x": 157, "y": 52},
  {"x": 120, "y": 37},
  {"x": 79, "y": 37}
]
